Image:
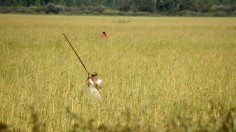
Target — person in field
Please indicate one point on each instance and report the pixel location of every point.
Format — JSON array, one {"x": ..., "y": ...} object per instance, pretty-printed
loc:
[
  {"x": 104, "y": 35},
  {"x": 94, "y": 85}
]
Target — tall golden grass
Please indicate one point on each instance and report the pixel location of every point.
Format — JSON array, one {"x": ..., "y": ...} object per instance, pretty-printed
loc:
[{"x": 159, "y": 73}]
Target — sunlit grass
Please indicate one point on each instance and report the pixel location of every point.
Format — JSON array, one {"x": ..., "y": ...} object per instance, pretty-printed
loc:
[{"x": 157, "y": 69}]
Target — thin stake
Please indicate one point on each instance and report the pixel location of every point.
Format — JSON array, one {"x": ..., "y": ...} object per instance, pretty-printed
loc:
[{"x": 76, "y": 53}]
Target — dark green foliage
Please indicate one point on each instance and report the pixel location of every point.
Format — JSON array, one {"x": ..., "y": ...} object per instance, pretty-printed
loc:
[
  {"x": 50, "y": 7},
  {"x": 198, "y": 7},
  {"x": 58, "y": 8},
  {"x": 69, "y": 3},
  {"x": 131, "y": 7}
]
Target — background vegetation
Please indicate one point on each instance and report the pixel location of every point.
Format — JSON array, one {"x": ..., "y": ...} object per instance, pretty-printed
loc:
[
  {"x": 161, "y": 74},
  {"x": 122, "y": 7}
]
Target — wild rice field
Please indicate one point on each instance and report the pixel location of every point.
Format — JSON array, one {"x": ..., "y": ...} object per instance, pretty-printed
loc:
[{"x": 159, "y": 73}]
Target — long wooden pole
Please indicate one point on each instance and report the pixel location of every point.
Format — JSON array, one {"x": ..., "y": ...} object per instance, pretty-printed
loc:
[{"x": 76, "y": 53}]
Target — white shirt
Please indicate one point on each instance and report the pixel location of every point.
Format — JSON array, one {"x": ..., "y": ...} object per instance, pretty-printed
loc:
[{"x": 93, "y": 91}]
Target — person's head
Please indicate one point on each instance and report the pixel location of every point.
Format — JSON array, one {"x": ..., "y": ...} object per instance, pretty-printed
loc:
[
  {"x": 104, "y": 33},
  {"x": 94, "y": 76}
]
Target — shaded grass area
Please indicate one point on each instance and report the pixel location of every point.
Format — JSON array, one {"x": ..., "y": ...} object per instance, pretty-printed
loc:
[{"x": 216, "y": 120}]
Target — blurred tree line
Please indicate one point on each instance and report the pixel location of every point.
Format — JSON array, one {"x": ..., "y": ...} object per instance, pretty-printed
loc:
[{"x": 152, "y": 6}]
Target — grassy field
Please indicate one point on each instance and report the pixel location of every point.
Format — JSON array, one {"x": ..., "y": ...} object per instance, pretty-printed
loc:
[{"x": 162, "y": 73}]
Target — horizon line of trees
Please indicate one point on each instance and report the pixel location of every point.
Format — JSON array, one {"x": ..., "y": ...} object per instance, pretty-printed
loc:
[{"x": 134, "y": 5}]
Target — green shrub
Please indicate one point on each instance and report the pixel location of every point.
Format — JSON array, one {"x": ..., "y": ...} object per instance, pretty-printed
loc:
[
  {"x": 50, "y": 7},
  {"x": 220, "y": 13},
  {"x": 73, "y": 10},
  {"x": 100, "y": 9},
  {"x": 188, "y": 13},
  {"x": 198, "y": 7},
  {"x": 37, "y": 9},
  {"x": 142, "y": 13},
  {"x": 223, "y": 8},
  {"x": 110, "y": 12},
  {"x": 234, "y": 13},
  {"x": 5, "y": 10},
  {"x": 58, "y": 8}
]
